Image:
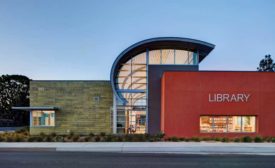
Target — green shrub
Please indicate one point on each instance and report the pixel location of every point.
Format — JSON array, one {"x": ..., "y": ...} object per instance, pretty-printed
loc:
[
  {"x": 42, "y": 134},
  {"x": 119, "y": 139},
  {"x": 174, "y": 139},
  {"x": 2, "y": 139},
  {"x": 195, "y": 139},
  {"x": 146, "y": 135},
  {"x": 26, "y": 134},
  {"x": 267, "y": 139},
  {"x": 39, "y": 139},
  {"x": 76, "y": 138},
  {"x": 81, "y": 139},
  {"x": 168, "y": 139},
  {"x": 19, "y": 138},
  {"x": 87, "y": 139},
  {"x": 49, "y": 138},
  {"x": 160, "y": 135},
  {"x": 225, "y": 139},
  {"x": 31, "y": 139},
  {"x": 59, "y": 138},
  {"x": 71, "y": 134},
  {"x": 128, "y": 138},
  {"x": 10, "y": 139},
  {"x": 97, "y": 138},
  {"x": 110, "y": 138},
  {"x": 206, "y": 139},
  {"x": 53, "y": 134},
  {"x": 237, "y": 140},
  {"x": 247, "y": 139},
  {"x": 217, "y": 139},
  {"x": 182, "y": 139},
  {"x": 142, "y": 138},
  {"x": 153, "y": 138},
  {"x": 258, "y": 139}
]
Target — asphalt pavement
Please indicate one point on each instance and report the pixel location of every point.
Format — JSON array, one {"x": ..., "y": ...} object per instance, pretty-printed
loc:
[{"x": 53, "y": 159}]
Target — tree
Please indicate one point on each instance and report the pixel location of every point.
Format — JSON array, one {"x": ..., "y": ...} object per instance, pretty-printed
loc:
[
  {"x": 14, "y": 91},
  {"x": 266, "y": 64}
]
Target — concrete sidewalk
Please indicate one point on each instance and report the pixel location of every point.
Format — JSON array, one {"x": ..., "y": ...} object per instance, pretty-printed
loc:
[{"x": 149, "y": 147}]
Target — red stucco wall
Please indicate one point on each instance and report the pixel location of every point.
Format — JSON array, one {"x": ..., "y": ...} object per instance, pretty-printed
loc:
[{"x": 185, "y": 99}]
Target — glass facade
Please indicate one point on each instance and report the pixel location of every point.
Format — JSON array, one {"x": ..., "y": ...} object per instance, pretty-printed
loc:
[
  {"x": 42, "y": 118},
  {"x": 227, "y": 124},
  {"x": 131, "y": 85}
]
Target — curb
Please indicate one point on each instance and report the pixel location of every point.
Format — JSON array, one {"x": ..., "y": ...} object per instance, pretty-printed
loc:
[{"x": 147, "y": 147}]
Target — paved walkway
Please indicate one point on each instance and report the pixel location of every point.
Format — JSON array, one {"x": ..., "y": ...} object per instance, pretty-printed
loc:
[{"x": 149, "y": 147}]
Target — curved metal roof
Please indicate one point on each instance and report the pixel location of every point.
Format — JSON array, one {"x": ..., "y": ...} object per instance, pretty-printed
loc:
[{"x": 188, "y": 44}]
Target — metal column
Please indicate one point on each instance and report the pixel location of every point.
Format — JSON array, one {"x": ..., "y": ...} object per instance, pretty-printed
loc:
[
  {"x": 147, "y": 90},
  {"x": 114, "y": 114}
]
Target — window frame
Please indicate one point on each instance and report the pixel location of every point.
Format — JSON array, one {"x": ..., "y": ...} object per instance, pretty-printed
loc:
[
  {"x": 42, "y": 126},
  {"x": 227, "y": 124}
]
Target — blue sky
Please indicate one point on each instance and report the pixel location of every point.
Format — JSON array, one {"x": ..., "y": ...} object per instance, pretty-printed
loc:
[{"x": 79, "y": 40}]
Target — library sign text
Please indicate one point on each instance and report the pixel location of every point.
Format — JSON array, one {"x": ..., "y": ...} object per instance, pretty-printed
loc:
[{"x": 225, "y": 97}]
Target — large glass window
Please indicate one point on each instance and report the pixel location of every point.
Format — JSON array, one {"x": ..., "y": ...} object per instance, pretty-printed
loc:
[
  {"x": 155, "y": 57},
  {"x": 43, "y": 118},
  {"x": 131, "y": 85},
  {"x": 181, "y": 57},
  {"x": 234, "y": 123},
  {"x": 206, "y": 124},
  {"x": 227, "y": 124},
  {"x": 171, "y": 56},
  {"x": 168, "y": 56},
  {"x": 248, "y": 124},
  {"x": 219, "y": 124}
]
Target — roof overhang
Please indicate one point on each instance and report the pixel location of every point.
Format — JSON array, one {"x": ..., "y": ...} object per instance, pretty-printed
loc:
[
  {"x": 203, "y": 48},
  {"x": 35, "y": 108}
]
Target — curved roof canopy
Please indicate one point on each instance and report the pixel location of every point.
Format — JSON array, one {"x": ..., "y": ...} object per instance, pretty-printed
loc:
[{"x": 203, "y": 48}]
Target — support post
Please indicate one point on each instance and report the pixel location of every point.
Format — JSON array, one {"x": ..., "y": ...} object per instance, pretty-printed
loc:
[
  {"x": 114, "y": 114},
  {"x": 147, "y": 92}
]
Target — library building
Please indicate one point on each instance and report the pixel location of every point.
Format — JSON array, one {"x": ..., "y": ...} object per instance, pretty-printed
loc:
[{"x": 156, "y": 86}]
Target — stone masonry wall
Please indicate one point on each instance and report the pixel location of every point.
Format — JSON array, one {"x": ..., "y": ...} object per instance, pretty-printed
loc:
[{"x": 85, "y": 106}]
